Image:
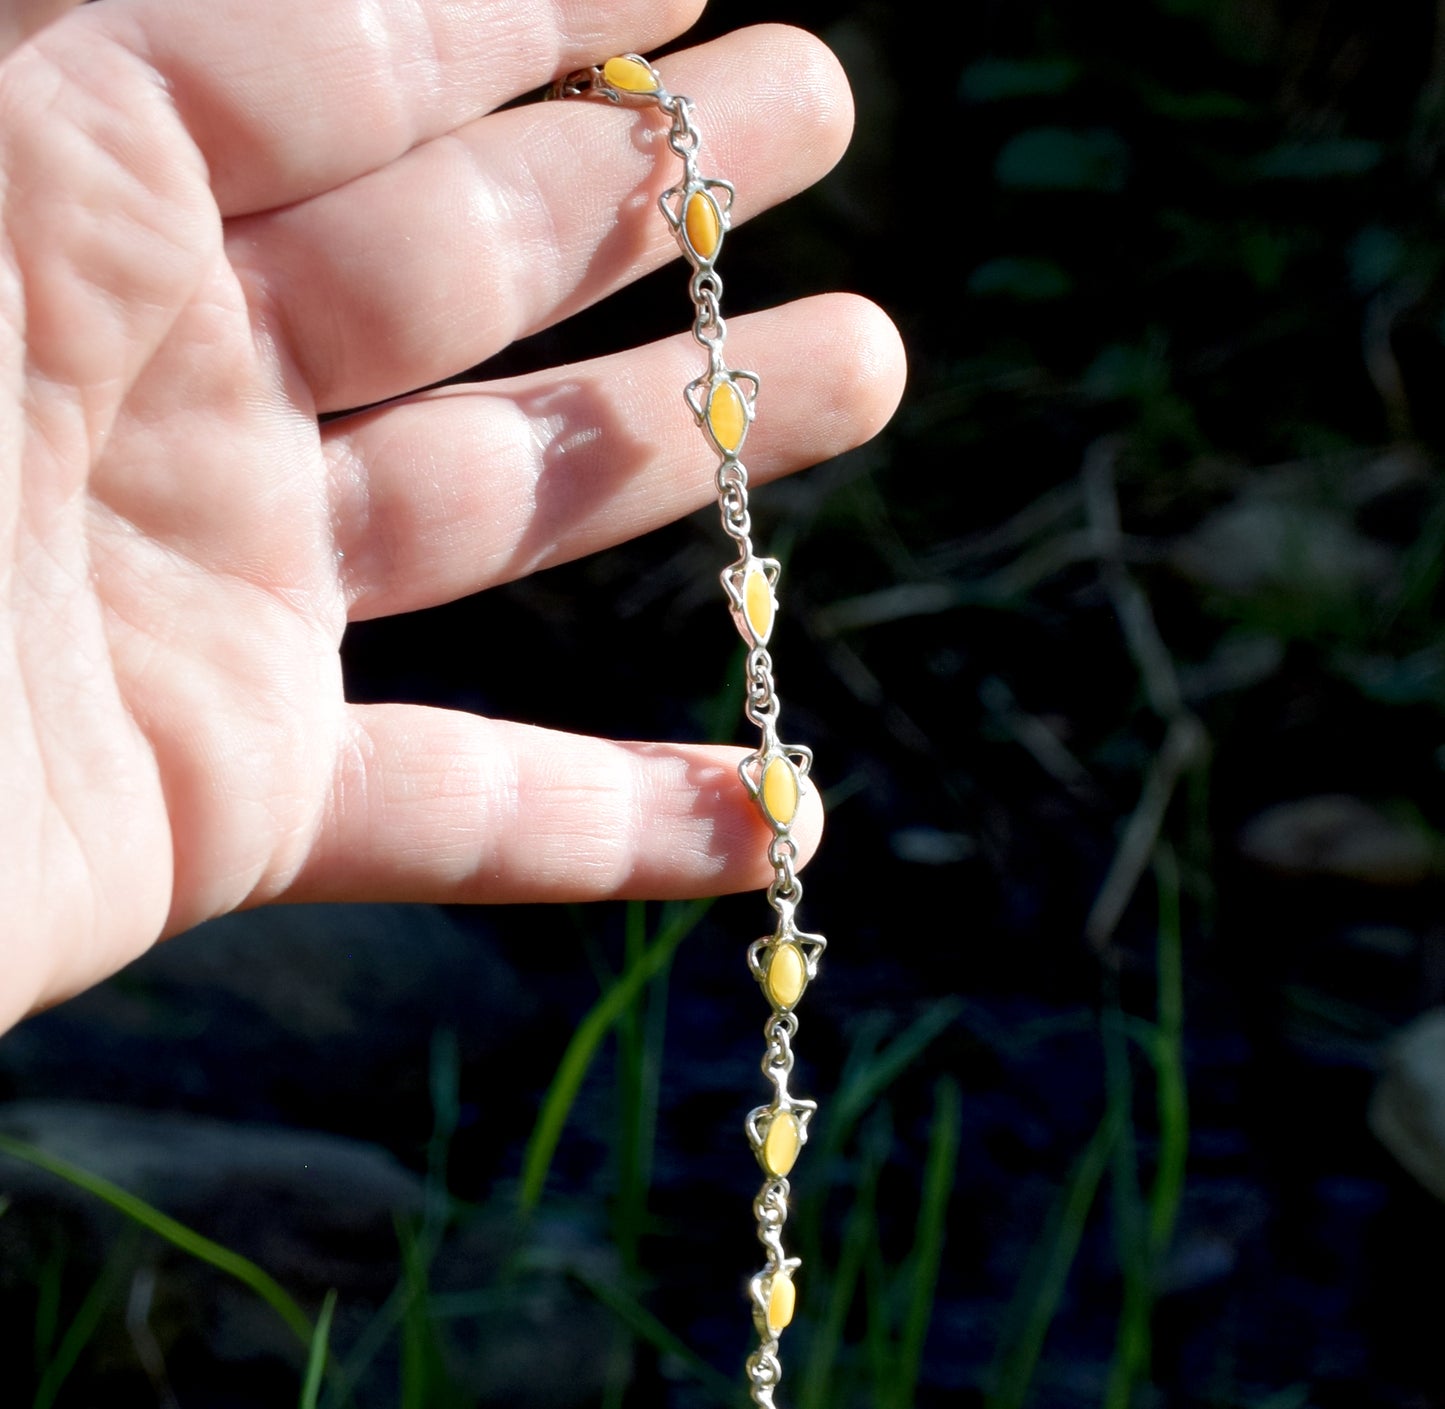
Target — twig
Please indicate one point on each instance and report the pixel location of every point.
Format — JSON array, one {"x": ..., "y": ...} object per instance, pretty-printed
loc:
[{"x": 1185, "y": 739}]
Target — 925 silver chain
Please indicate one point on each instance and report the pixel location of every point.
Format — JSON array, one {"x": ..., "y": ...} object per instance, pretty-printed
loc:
[{"x": 785, "y": 962}]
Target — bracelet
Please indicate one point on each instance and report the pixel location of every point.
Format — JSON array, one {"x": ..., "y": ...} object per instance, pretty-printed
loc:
[{"x": 722, "y": 401}]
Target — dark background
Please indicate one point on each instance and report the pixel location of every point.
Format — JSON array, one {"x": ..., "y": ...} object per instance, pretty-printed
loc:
[{"x": 1120, "y": 654}]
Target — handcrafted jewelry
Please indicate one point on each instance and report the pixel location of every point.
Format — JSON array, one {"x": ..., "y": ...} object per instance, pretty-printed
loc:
[{"x": 722, "y": 401}]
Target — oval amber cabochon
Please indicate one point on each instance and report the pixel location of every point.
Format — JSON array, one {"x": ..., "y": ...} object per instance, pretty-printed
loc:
[
  {"x": 758, "y": 603},
  {"x": 780, "y": 790},
  {"x": 727, "y": 418},
  {"x": 629, "y": 75},
  {"x": 782, "y": 1143},
  {"x": 702, "y": 223},
  {"x": 787, "y": 975},
  {"x": 782, "y": 1301}
]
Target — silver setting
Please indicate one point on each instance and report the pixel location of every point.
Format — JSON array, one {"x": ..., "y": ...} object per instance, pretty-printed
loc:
[
  {"x": 761, "y": 1118},
  {"x": 797, "y": 757},
  {"x": 592, "y": 82},
  {"x": 760, "y": 1288},
  {"x": 700, "y": 392},
  {"x": 735, "y": 584},
  {"x": 674, "y": 202},
  {"x": 761, "y": 953}
]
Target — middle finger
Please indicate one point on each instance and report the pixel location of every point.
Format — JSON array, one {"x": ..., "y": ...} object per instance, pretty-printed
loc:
[{"x": 455, "y": 490}]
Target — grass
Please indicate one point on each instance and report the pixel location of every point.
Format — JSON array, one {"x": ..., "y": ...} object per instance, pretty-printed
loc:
[
  {"x": 864, "y": 1331},
  {"x": 920, "y": 1273},
  {"x": 316, "y": 1356},
  {"x": 896, "y": 1305},
  {"x": 895, "y": 1301},
  {"x": 163, "y": 1226},
  {"x": 55, "y": 1361},
  {"x": 723, "y": 1390},
  {"x": 1037, "y": 1301},
  {"x": 1143, "y": 1227},
  {"x": 859, "y": 1238},
  {"x": 633, "y": 1007},
  {"x": 616, "y": 1004}
]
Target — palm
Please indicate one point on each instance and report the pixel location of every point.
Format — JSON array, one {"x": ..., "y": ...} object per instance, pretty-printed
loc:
[
  {"x": 176, "y": 614},
  {"x": 188, "y": 280}
]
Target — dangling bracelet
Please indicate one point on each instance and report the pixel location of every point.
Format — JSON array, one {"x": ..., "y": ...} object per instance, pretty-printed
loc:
[{"x": 775, "y": 776}]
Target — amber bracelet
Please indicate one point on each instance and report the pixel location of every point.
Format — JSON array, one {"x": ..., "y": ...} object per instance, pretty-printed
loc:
[{"x": 775, "y": 775}]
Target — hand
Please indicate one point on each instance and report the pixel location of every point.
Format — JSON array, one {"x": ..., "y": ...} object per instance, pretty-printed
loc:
[{"x": 223, "y": 218}]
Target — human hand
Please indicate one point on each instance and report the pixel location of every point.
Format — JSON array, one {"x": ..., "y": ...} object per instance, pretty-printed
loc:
[{"x": 221, "y": 220}]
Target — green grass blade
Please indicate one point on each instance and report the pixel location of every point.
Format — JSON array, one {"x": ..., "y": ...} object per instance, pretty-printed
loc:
[
  {"x": 1132, "y": 1345},
  {"x": 938, "y": 1176},
  {"x": 83, "y": 1325},
  {"x": 654, "y": 1043},
  {"x": 174, "y": 1232},
  {"x": 418, "y": 1351},
  {"x": 1043, "y": 1289},
  {"x": 630, "y": 1197},
  {"x": 577, "y": 1059},
  {"x": 366, "y": 1347},
  {"x": 726, "y": 1393},
  {"x": 47, "y": 1305},
  {"x": 632, "y": 1120},
  {"x": 871, "y": 1077},
  {"x": 444, "y": 1086},
  {"x": 316, "y": 1358},
  {"x": 426, "y": 1380},
  {"x": 1171, "y": 1086},
  {"x": 878, "y": 1341},
  {"x": 1132, "y": 1348},
  {"x": 860, "y": 1237},
  {"x": 867, "y": 1073},
  {"x": 1145, "y": 1234}
]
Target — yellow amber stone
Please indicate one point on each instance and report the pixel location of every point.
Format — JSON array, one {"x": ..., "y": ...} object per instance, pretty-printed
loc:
[
  {"x": 780, "y": 790},
  {"x": 726, "y": 416},
  {"x": 629, "y": 76},
  {"x": 703, "y": 224},
  {"x": 782, "y": 1299},
  {"x": 787, "y": 973},
  {"x": 758, "y": 604},
  {"x": 781, "y": 1144}
]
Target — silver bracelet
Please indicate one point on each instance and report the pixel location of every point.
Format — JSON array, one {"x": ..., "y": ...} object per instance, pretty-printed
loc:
[{"x": 775, "y": 775}]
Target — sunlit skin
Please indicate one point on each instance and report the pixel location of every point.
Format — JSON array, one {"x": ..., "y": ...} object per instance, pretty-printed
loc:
[{"x": 223, "y": 218}]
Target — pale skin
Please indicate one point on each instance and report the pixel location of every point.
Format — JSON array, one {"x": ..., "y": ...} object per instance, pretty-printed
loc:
[{"x": 220, "y": 219}]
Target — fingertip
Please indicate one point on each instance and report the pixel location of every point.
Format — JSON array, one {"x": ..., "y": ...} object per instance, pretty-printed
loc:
[
  {"x": 774, "y": 99},
  {"x": 807, "y": 833},
  {"x": 807, "y": 74},
  {"x": 877, "y": 361},
  {"x": 743, "y": 836},
  {"x": 835, "y": 369}
]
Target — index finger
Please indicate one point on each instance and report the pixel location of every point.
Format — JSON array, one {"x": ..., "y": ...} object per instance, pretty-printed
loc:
[{"x": 287, "y": 100}]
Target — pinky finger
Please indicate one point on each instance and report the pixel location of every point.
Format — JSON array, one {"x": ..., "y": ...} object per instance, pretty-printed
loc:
[{"x": 441, "y": 806}]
